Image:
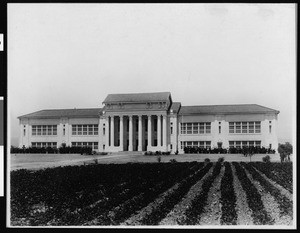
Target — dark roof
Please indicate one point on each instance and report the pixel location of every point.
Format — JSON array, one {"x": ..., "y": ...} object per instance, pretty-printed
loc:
[
  {"x": 175, "y": 106},
  {"x": 225, "y": 109},
  {"x": 138, "y": 97},
  {"x": 57, "y": 113}
]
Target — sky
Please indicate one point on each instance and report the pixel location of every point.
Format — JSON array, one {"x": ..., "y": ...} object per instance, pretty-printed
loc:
[{"x": 74, "y": 55}]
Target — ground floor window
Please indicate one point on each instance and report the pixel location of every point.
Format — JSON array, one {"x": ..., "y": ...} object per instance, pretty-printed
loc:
[
  {"x": 240, "y": 144},
  {"x": 201, "y": 144},
  {"x": 44, "y": 144},
  {"x": 94, "y": 145}
]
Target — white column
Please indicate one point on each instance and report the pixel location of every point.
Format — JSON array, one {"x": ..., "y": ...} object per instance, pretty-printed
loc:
[
  {"x": 149, "y": 133},
  {"x": 159, "y": 131},
  {"x": 121, "y": 133},
  {"x": 107, "y": 133},
  {"x": 140, "y": 134},
  {"x": 112, "y": 136},
  {"x": 130, "y": 134},
  {"x": 164, "y": 132}
]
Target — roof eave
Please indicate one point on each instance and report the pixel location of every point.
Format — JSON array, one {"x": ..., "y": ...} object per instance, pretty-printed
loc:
[{"x": 228, "y": 113}]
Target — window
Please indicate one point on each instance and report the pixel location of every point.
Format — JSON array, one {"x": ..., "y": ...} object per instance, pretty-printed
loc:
[
  {"x": 93, "y": 145},
  {"x": 171, "y": 146},
  {"x": 240, "y": 144},
  {"x": 86, "y": 129},
  {"x": 195, "y": 128},
  {"x": 201, "y": 144},
  {"x": 171, "y": 129},
  {"x": 245, "y": 127},
  {"x": 64, "y": 131},
  {"x": 219, "y": 127},
  {"x": 44, "y": 144},
  {"x": 44, "y": 130},
  {"x": 270, "y": 128},
  {"x": 24, "y": 132},
  {"x": 103, "y": 129}
]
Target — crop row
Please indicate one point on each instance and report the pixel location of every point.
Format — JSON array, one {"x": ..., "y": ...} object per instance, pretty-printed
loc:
[
  {"x": 281, "y": 173},
  {"x": 174, "y": 197},
  {"x": 147, "y": 193},
  {"x": 199, "y": 202},
  {"x": 228, "y": 198},
  {"x": 259, "y": 214},
  {"x": 71, "y": 190},
  {"x": 285, "y": 205}
]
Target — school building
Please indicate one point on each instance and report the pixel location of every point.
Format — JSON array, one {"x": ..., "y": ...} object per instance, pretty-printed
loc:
[{"x": 151, "y": 122}]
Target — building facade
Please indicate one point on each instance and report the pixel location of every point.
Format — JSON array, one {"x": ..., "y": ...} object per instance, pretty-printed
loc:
[{"x": 151, "y": 122}]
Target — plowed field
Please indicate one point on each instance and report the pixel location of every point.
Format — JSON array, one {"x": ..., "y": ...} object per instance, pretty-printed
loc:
[{"x": 188, "y": 193}]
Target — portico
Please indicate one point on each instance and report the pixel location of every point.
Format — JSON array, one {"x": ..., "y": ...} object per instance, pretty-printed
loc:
[
  {"x": 136, "y": 122},
  {"x": 136, "y": 132}
]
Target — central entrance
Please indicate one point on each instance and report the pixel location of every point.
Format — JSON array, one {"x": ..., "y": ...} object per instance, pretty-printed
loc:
[{"x": 136, "y": 132}]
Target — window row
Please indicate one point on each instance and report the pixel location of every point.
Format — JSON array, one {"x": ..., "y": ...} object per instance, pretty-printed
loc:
[
  {"x": 245, "y": 127},
  {"x": 201, "y": 144},
  {"x": 196, "y": 128},
  {"x": 84, "y": 129},
  {"x": 94, "y": 145},
  {"x": 44, "y": 130},
  {"x": 240, "y": 144},
  {"x": 44, "y": 144}
]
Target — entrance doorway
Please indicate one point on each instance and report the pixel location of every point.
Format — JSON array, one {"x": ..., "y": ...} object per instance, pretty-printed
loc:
[{"x": 220, "y": 145}]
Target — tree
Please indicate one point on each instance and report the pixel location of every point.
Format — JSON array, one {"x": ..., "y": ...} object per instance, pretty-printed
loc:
[{"x": 285, "y": 150}]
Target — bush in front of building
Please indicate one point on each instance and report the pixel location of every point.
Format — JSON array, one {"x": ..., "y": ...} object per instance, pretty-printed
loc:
[
  {"x": 157, "y": 153},
  {"x": 231, "y": 150},
  {"x": 51, "y": 150},
  {"x": 266, "y": 159}
]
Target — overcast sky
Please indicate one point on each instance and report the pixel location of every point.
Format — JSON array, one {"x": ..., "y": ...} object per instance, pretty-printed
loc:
[{"x": 73, "y": 55}]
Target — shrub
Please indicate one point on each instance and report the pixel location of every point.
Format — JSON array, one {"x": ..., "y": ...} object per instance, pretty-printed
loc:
[
  {"x": 159, "y": 159},
  {"x": 176, "y": 153},
  {"x": 266, "y": 159},
  {"x": 173, "y": 160},
  {"x": 221, "y": 160},
  {"x": 207, "y": 160}
]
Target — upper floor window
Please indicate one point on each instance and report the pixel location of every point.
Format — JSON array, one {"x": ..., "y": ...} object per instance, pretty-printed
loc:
[
  {"x": 44, "y": 130},
  {"x": 196, "y": 128},
  {"x": 84, "y": 129},
  {"x": 270, "y": 126},
  {"x": 245, "y": 127}
]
